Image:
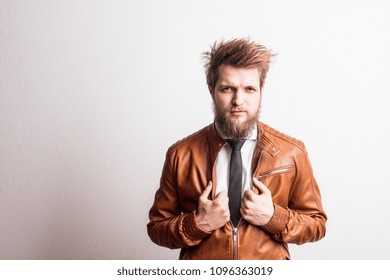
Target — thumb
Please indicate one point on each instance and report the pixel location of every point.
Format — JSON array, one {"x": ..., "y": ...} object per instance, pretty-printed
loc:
[
  {"x": 206, "y": 191},
  {"x": 260, "y": 186}
]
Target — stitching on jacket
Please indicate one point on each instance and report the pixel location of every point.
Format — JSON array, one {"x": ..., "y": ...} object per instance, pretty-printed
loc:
[
  {"x": 189, "y": 138},
  {"x": 292, "y": 140}
]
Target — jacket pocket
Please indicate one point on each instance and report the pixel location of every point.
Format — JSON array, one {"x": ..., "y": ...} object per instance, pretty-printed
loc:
[
  {"x": 279, "y": 181},
  {"x": 276, "y": 171}
]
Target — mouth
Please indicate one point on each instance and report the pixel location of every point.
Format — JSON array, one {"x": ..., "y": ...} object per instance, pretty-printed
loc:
[{"x": 236, "y": 112}]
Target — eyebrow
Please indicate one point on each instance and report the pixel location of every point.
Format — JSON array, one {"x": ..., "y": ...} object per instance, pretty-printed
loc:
[{"x": 233, "y": 86}]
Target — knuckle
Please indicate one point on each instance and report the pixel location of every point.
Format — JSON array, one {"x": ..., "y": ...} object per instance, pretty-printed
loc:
[
  {"x": 267, "y": 193},
  {"x": 249, "y": 194},
  {"x": 217, "y": 203}
]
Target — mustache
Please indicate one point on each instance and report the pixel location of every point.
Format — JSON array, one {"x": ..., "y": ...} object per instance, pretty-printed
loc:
[{"x": 237, "y": 109}]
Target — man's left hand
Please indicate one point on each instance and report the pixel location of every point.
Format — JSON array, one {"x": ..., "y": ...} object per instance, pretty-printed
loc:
[{"x": 257, "y": 209}]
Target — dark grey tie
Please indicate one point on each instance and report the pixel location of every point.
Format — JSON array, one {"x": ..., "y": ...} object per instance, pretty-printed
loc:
[{"x": 235, "y": 180}]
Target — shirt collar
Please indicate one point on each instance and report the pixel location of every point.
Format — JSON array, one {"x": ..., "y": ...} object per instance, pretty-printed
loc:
[{"x": 252, "y": 135}]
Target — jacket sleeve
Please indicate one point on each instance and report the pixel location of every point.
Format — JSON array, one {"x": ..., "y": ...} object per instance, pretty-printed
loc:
[
  {"x": 168, "y": 226},
  {"x": 304, "y": 219}
]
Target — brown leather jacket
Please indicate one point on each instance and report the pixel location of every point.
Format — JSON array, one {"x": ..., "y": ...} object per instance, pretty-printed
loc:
[{"x": 279, "y": 161}]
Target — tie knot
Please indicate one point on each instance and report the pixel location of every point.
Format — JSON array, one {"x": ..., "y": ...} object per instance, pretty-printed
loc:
[{"x": 235, "y": 144}]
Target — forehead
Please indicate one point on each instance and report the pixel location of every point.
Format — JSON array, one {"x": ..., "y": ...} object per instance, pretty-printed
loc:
[{"x": 228, "y": 74}]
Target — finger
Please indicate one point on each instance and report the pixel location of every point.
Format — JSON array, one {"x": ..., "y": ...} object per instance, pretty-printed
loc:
[
  {"x": 248, "y": 194},
  {"x": 260, "y": 185},
  {"x": 243, "y": 211},
  {"x": 206, "y": 191},
  {"x": 222, "y": 198},
  {"x": 221, "y": 195},
  {"x": 245, "y": 203}
]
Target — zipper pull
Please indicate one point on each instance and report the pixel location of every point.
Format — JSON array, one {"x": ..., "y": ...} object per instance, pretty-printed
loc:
[
  {"x": 235, "y": 234},
  {"x": 235, "y": 243}
]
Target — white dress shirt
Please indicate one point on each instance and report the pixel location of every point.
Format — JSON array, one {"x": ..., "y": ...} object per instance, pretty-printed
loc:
[{"x": 223, "y": 162}]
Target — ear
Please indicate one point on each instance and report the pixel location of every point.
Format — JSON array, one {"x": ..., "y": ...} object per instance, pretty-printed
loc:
[{"x": 211, "y": 91}]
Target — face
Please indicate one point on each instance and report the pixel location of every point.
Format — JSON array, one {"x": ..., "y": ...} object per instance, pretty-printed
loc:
[{"x": 237, "y": 99}]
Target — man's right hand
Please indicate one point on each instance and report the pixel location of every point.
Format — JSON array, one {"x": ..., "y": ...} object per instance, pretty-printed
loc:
[{"x": 212, "y": 214}]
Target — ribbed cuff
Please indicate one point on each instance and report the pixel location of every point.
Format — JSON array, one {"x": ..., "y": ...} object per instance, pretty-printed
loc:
[
  {"x": 278, "y": 221},
  {"x": 191, "y": 229}
]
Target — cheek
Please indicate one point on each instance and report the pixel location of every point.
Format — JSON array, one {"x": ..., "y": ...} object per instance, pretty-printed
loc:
[
  {"x": 222, "y": 102},
  {"x": 254, "y": 102}
]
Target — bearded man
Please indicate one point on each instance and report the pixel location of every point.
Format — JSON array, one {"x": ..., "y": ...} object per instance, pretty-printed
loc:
[{"x": 236, "y": 189}]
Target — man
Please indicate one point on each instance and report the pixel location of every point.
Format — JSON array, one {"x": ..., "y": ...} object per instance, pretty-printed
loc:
[{"x": 236, "y": 189}]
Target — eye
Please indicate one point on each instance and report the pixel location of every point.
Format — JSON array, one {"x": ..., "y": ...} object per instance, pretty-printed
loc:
[
  {"x": 226, "y": 89},
  {"x": 251, "y": 89}
]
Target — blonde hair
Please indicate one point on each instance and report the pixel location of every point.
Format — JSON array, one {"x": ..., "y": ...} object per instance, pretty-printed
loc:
[{"x": 241, "y": 53}]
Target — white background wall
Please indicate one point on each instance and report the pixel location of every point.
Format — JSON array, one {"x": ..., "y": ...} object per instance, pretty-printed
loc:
[{"x": 92, "y": 93}]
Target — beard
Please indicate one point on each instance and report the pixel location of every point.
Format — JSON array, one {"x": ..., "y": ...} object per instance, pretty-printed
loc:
[{"x": 234, "y": 128}]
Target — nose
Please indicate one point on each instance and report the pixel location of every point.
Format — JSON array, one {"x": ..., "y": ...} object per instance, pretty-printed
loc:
[{"x": 238, "y": 98}]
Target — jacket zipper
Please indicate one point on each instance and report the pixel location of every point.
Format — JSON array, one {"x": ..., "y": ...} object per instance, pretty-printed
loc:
[
  {"x": 235, "y": 231},
  {"x": 276, "y": 171},
  {"x": 234, "y": 243}
]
